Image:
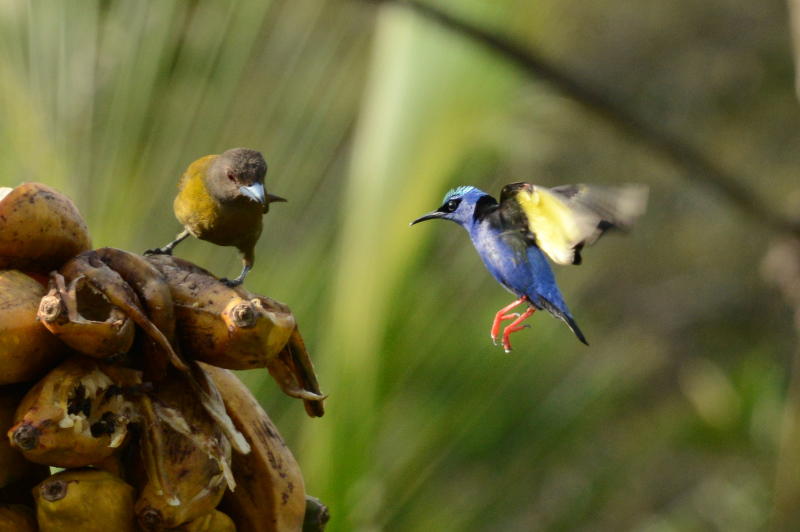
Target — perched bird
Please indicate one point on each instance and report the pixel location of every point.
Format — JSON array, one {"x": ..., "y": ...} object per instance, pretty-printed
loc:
[
  {"x": 513, "y": 236},
  {"x": 221, "y": 199}
]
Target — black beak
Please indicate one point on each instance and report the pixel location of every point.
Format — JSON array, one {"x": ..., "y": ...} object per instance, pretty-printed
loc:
[
  {"x": 272, "y": 198},
  {"x": 429, "y": 216}
]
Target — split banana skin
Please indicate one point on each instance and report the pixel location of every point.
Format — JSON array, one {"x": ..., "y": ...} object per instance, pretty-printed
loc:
[{"x": 114, "y": 367}]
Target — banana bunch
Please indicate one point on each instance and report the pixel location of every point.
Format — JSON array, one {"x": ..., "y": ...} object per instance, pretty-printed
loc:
[{"x": 112, "y": 367}]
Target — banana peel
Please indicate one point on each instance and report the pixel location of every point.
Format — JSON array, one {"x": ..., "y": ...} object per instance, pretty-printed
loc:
[
  {"x": 40, "y": 228},
  {"x": 269, "y": 494},
  {"x": 85, "y": 500},
  {"x": 293, "y": 371},
  {"x": 110, "y": 283},
  {"x": 77, "y": 415},
  {"x": 27, "y": 349},
  {"x": 156, "y": 299},
  {"x": 85, "y": 320}
]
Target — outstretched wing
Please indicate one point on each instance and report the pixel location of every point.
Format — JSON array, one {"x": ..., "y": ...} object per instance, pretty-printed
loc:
[{"x": 564, "y": 219}]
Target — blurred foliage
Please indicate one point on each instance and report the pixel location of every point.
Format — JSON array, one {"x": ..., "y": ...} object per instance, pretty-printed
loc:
[{"x": 367, "y": 115}]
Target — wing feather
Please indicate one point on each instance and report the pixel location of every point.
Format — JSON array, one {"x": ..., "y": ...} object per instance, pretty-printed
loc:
[{"x": 564, "y": 219}]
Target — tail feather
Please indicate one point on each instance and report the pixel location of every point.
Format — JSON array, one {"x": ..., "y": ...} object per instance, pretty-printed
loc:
[{"x": 564, "y": 315}]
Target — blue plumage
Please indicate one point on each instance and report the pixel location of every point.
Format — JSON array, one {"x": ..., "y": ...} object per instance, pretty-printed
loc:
[{"x": 510, "y": 236}]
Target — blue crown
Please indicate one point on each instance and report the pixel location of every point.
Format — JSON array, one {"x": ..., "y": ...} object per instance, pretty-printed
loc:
[{"x": 460, "y": 191}]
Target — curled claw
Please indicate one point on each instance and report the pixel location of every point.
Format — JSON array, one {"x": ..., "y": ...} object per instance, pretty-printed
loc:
[
  {"x": 514, "y": 327},
  {"x": 502, "y": 316}
]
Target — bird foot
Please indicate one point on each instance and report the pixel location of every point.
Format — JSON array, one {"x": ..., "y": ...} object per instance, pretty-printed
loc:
[
  {"x": 231, "y": 283},
  {"x": 496, "y": 326},
  {"x": 158, "y": 251},
  {"x": 502, "y": 316},
  {"x": 514, "y": 327}
]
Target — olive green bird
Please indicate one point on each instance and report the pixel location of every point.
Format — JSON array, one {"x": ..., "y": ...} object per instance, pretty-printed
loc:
[{"x": 221, "y": 199}]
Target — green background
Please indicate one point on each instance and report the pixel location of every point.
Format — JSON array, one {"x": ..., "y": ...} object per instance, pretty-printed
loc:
[{"x": 677, "y": 418}]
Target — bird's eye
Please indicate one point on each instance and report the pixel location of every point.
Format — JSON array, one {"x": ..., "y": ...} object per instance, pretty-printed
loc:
[
  {"x": 231, "y": 176},
  {"x": 451, "y": 205}
]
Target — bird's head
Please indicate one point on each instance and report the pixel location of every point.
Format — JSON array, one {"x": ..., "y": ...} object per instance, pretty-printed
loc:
[
  {"x": 459, "y": 206},
  {"x": 238, "y": 175}
]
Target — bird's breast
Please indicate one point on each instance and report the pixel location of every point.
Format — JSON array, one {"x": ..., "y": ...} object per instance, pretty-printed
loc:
[
  {"x": 236, "y": 223},
  {"x": 507, "y": 263}
]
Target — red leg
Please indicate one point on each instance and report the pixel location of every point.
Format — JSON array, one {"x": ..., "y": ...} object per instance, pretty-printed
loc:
[
  {"x": 514, "y": 327},
  {"x": 500, "y": 316}
]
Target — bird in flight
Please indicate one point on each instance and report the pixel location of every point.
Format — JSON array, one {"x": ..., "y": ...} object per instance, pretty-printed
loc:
[{"x": 513, "y": 237}]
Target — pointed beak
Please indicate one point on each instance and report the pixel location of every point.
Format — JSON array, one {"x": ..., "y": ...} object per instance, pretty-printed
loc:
[
  {"x": 255, "y": 192},
  {"x": 273, "y": 198},
  {"x": 429, "y": 216}
]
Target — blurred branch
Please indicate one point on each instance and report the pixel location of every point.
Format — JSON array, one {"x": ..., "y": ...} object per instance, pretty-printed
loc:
[{"x": 658, "y": 140}]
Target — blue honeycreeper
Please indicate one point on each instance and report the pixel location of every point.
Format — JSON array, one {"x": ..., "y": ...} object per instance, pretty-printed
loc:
[{"x": 513, "y": 236}]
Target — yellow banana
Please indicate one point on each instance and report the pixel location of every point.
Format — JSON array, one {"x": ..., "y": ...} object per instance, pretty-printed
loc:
[
  {"x": 40, "y": 228},
  {"x": 85, "y": 500},
  {"x": 269, "y": 494},
  {"x": 77, "y": 415},
  {"x": 27, "y": 349},
  {"x": 17, "y": 518}
]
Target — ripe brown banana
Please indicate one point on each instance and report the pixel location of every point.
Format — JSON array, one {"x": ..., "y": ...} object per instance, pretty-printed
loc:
[
  {"x": 77, "y": 415},
  {"x": 215, "y": 521},
  {"x": 84, "y": 320},
  {"x": 269, "y": 494},
  {"x": 237, "y": 329},
  {"x": 17, "y": 518},
  {"x": 40, "y": 229},
  {"x": 85, "y": 500},
  {"x": 17, "y": 475},
  {"x": 27, "y": 349},
  {"x": 216, "y": 324},
  {"x": 186, "y": 457}
]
